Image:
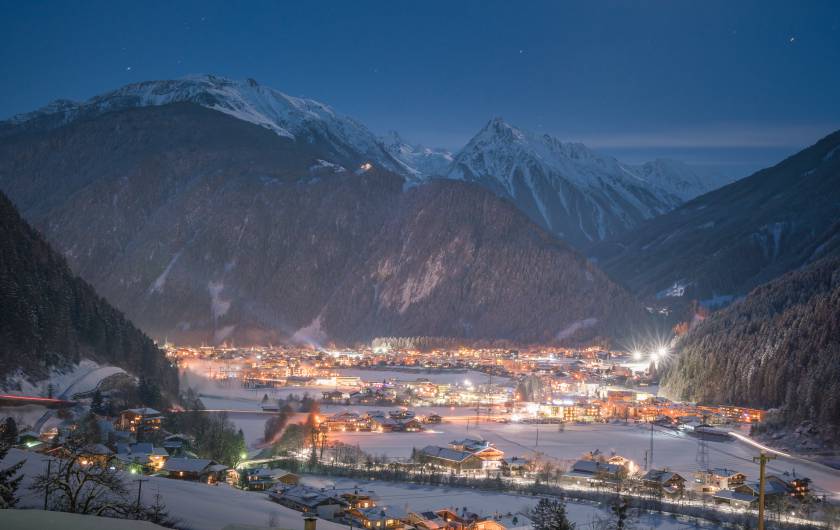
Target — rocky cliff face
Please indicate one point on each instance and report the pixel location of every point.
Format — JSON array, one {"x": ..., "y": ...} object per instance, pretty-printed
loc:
[
  {"x": 778, "y": 347},
  {"x": 204, "y": 227},
  {"x": 50, "y": 318}
]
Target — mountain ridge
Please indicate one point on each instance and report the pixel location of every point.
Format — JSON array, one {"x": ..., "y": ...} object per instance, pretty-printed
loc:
[
  {"x": 723, "y": 243},
  {"x": 204, "y": 227}
]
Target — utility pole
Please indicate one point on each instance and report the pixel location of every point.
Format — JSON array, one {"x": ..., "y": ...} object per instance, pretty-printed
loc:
[
  {"x": 47, "y": 485},
  {"x": 140, "y": 482},
  {"x": 650, "y": 462},
  {"x": 762, "y": 462}
]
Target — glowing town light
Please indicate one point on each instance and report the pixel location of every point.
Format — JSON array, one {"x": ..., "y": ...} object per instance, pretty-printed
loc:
[
  {"x": 467, "y": 382},
  {"x": 637, "y": 355}
]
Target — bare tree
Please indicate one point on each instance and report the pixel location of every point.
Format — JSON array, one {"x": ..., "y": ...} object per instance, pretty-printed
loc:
[{"x": 81, "y": 485}]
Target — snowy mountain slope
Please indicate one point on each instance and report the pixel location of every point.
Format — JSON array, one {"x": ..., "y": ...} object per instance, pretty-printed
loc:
[
  {"x": 567, "y": 188},
  {"x": 674, "y": 177},
  {"x": 723, "y": 243},
  {"x": 303, "y": 120},
  {"x": 423, "y": 161}
]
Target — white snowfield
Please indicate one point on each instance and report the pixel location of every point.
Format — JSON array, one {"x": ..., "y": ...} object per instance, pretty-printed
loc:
[
  {"x": 31, "y": 519},
  {"x": 196, "y": 505},
  {"x": 204, "y": 507},
  {"x": 676, "y": 451},
  {"x": 414, "y": 497}
]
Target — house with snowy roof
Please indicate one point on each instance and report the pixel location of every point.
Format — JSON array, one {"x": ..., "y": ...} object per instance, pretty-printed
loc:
[
  {"x": 195, "y": 469},
  {"x": 664, "y": 481},
  {"x": 592, "y": 471},
  {"x": 307, "y": 499}
]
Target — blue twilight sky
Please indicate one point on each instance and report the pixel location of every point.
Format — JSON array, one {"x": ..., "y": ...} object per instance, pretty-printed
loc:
[{"x": 733, "y": 85}]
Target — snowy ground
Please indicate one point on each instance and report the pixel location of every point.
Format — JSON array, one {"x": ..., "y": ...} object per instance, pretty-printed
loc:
[
  {"x": 671, "y": 449},
  {"x": 413, "y": 497},
  {"x": 29, "y": 519},
  {"x": 412, "y": 374},
  {"x": 676, "y": 451},
  {"x": 196, "y": 505},
  {"x": 206, "y": 507}
]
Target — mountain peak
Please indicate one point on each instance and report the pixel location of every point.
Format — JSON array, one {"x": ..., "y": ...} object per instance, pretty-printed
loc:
[{"x": 296, "y": 118}]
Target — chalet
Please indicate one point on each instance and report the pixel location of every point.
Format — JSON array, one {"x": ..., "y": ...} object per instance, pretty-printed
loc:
[
  {"x": 95, "y": 454},
  {"x": 306, "y": 499},
  {"x": 378, "y": 517},
  {"x": 516, "y": 466},
  {"x": 433, "y": 419},
  {"x": 591, "y": 472},
  {"x": 195, "y": 469},
  {"x": 261, "y": 479},
  {"x": 334, "y": 396},
  {"x": 358, "y": 500},
  {"x": 395, "y": 422},
  {"x": 345, "y": 421},
  {"x": 800, "y": 487},
  {"x": 713, "y": 480},
  {"x": 491, "y": 457},
  {"x": 485, "y": 523},
  {"x": 143, "y": 454},
  {"x": 735, "y": 499},
  {"x": 176, "y": 444},
  {"x": 663, "y": 481},
  {"x": 427, "y": 521},
  {"x": 774, "y": 488},
  {"x": 461, "y": 462},
  {"x": 139, "y": 420}
]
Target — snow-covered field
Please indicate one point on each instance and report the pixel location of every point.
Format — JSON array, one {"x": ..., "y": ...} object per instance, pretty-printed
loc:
[
  {"x": 413, "y": 497},
  {"x": 196, "y": 505},
  {"x": 676, "y": 451},
  {"x": 411, "y": 374},
  {"x": 206, "y": 507}
]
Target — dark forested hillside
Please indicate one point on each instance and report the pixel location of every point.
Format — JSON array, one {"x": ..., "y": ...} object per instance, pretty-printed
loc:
[
  {"x": 206, "y": 228},
  {"x": 722, "y": 244},
  {"x": 51, "y": 318},
  {"x": 778, "y": 347}
]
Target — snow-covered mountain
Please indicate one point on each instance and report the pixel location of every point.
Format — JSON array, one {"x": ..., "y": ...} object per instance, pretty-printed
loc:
[
  {"x": 674, "y": 177},
  {"x": 299, "y": 119},
  {"x": 567, "y": 188},
  {"x": 422, "y": 161}
]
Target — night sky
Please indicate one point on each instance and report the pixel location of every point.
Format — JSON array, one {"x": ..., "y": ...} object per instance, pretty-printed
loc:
[{"x": 730, "y": 85}]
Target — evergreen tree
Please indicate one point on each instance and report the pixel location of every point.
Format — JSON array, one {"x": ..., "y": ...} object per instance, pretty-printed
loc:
[
  {"x": 9, "y": 432},
  {"x": 551, "y": 515},
  {"x": 96, "y": 404},
  {"x": 8, "y": 481},
  {"x": 620, "y": 510}
]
